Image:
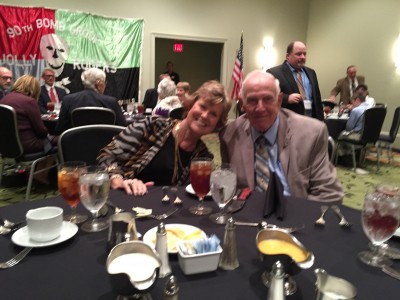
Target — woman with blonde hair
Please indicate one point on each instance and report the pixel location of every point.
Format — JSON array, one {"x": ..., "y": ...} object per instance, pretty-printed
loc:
[
  {"x": 159, "y": 150},
  {"x": 24, "y": 99}
]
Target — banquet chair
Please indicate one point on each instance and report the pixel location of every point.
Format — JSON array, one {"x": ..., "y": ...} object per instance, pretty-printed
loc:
[
  {"x": 83, "y": 143},
  {"x": 177, "y": 113},
  {"x": 386, "y": 140},
  {"x": 371, "y": 128},
  {"x": 89, "y": 115},
  {"x": 331, "y": 148},
  {"x": 11, "y": 148}
]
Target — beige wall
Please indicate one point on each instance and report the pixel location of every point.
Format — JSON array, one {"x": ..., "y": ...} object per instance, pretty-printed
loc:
[
  {"x": 338, "y": 33},
  {"x": 219, "y": 20},
  {"x": 360, "y": 32}
]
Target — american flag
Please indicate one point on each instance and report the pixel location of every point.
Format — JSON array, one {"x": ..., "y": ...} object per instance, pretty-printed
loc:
[{"x": 237, "y": 74}]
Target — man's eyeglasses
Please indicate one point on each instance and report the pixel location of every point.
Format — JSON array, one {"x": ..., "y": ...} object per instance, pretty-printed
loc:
[{"x": 6, "y": 77}]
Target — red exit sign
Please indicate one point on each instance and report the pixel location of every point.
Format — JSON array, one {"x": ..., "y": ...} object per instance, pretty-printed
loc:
[{"x": 178, "y": 47}]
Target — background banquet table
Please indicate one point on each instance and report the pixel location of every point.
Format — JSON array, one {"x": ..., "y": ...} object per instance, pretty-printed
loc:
[{"x": 75, "y": 269}]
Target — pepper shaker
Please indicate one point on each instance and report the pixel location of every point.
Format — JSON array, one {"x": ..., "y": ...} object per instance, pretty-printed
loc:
[
  {"x": 276, "y": 290},
  {"x": 171, "y": 289},
  {"x": 228, "y": 259},
  {"x": 162, "y": 250}
]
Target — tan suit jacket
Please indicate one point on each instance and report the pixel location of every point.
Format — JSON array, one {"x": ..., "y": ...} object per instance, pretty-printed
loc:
[
  {"x": 343, "y": 88},
  {"x": 303, "y": 154}
]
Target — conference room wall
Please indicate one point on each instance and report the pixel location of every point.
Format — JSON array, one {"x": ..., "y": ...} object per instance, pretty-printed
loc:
[
  {"x": 359, "y": 32},
  {"x": 207, "y": 20}
]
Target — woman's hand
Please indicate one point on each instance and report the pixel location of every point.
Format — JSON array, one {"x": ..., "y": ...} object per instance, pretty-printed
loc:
[{"x": 134, "y": 187}]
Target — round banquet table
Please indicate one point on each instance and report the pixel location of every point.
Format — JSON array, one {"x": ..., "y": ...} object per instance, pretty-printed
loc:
[
  {"x": 335, "y": 126},
  {"x": 75, "y": 269}
]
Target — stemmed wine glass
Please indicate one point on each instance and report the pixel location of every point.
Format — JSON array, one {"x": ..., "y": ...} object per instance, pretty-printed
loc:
[
  {"x": 94, "y": 189},
  {"x": 200, "y": 171},
  {"x": 380, "y": 220},
  {"x": 68, "y": 185},
  {"x": 50, "y": 107},
  {"x": 223, "y": 188}
]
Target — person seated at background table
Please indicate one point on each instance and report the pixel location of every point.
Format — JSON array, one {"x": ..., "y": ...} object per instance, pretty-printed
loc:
[
  {"x": 183, "y": 93},
  {"x": 166, "y": 88},
  {"x": 182, "y": 99},
  {"x": 297, "y": 145},
  {"x": 151, "y": 95},
  {"x": 5, "y": 81},
  {"x": 346, "y": 86},
  {"x": 355, "y": 122},
  {"x": 362, "y": 89},
  {"x": 159, "y": 150},
  {"x": 94, "y": 82},
  {"x": 49, "y": 92},
  {"x": 32, "y": 131}
]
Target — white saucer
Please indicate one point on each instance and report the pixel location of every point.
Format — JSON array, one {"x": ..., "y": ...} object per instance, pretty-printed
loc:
[
  {"x": 190, "y": 190},
  {"x": 397, "y": 233},
  {"x": 21, "y": 238}
]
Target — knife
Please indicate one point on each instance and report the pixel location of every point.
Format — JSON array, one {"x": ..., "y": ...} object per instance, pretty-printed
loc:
[{"x": 238, "y": 201}]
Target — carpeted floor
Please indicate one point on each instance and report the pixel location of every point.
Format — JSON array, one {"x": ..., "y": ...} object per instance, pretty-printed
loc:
[{"x": 354, "y": 185}]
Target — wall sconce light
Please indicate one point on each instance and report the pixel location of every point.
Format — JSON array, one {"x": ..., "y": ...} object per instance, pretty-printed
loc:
[{"x": 267, "y": 54}]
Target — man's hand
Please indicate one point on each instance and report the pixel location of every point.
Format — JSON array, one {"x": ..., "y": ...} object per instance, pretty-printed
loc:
[{"x": 295, "y": 98}]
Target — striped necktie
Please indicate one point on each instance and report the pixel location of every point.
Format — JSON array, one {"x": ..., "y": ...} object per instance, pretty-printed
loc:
[
  {"x": 300, "y": 85},
  {"x": 261, "y": 161}
]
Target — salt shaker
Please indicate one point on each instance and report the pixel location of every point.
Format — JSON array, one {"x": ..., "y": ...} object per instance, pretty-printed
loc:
[
  {"x": 162, "y": 250},
  {"x": 276, "y": 290},
  {"x": 228, "y": 259},
  {"x": 171, "y": 289}
]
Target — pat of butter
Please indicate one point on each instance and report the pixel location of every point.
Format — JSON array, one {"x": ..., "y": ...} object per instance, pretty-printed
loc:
[{"x": 141, "y": 211}]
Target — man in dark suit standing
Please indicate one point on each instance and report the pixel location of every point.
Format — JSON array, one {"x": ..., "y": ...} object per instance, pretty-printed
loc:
[
  {"x": 298, "y": 83},
  {"x": 94, "y": 82},
  {"x": 49, "y": 92}
]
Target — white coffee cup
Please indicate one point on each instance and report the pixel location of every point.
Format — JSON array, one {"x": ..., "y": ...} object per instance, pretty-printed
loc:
[{"x": 44, "y": 224}]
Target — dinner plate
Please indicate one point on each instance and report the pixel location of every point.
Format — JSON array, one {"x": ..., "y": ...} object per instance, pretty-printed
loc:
[
  {"x": 190, "y": 190},
  {"x": 21, "y": 237},
  {"x": 175, "y": 233}
]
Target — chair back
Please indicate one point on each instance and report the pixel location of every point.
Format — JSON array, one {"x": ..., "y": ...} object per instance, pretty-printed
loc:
[
  {"x": 331, "y": 148},
  {"x": 394, "y": 129},
  {"x": 83, "y": 143},
  {"x": 10, "y": 144},
  {"x": 89, "y": 115},
  {"x": 372, "y": 124}
]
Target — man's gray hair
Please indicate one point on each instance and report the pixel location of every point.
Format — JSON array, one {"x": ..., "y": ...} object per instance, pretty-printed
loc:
[
  {"x": 90, "y": 76},
  {"x": 258, "y": 74}
]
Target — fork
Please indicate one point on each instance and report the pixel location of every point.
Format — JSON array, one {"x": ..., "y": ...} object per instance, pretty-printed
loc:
[
  {"x": 321, "y": 220},
  {"x": 162, "y": 216},
  {"x": 343, "y": 222},
  {"x": 16, "y": 259}
]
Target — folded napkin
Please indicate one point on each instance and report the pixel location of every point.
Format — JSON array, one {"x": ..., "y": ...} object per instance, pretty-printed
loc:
[
  {"x": 275, "y": 202},
  {"x": 141, "y": 211}
]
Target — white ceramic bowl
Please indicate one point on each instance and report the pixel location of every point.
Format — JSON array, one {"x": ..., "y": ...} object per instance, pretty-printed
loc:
[{"x": 44, "y": 224}]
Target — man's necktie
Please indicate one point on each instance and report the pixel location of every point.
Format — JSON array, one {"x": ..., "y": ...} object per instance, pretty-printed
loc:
[
  {"x": 53, "y": 96},
  {"x": 261, "y": 160},
  {"x": 300, "y": 85},
  {"x": 353, "y": 85}
]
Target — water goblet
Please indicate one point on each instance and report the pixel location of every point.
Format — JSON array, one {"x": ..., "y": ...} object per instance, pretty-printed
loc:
[
  {"x": 200, "y": 171},
  {"x": 380, "y": 219},
  {"x": 223, "y": 187},
  {"x": 68, "y": 185},
  {"x": 94, "y": 189}
]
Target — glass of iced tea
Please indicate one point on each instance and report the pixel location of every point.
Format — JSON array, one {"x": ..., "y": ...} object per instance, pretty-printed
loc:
[
  {"x": 200, "y": 171},
  {"x": 68, "y": 185},
  {"x": 50, "y": 107},
  {"x": 380, "y": 219}
]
